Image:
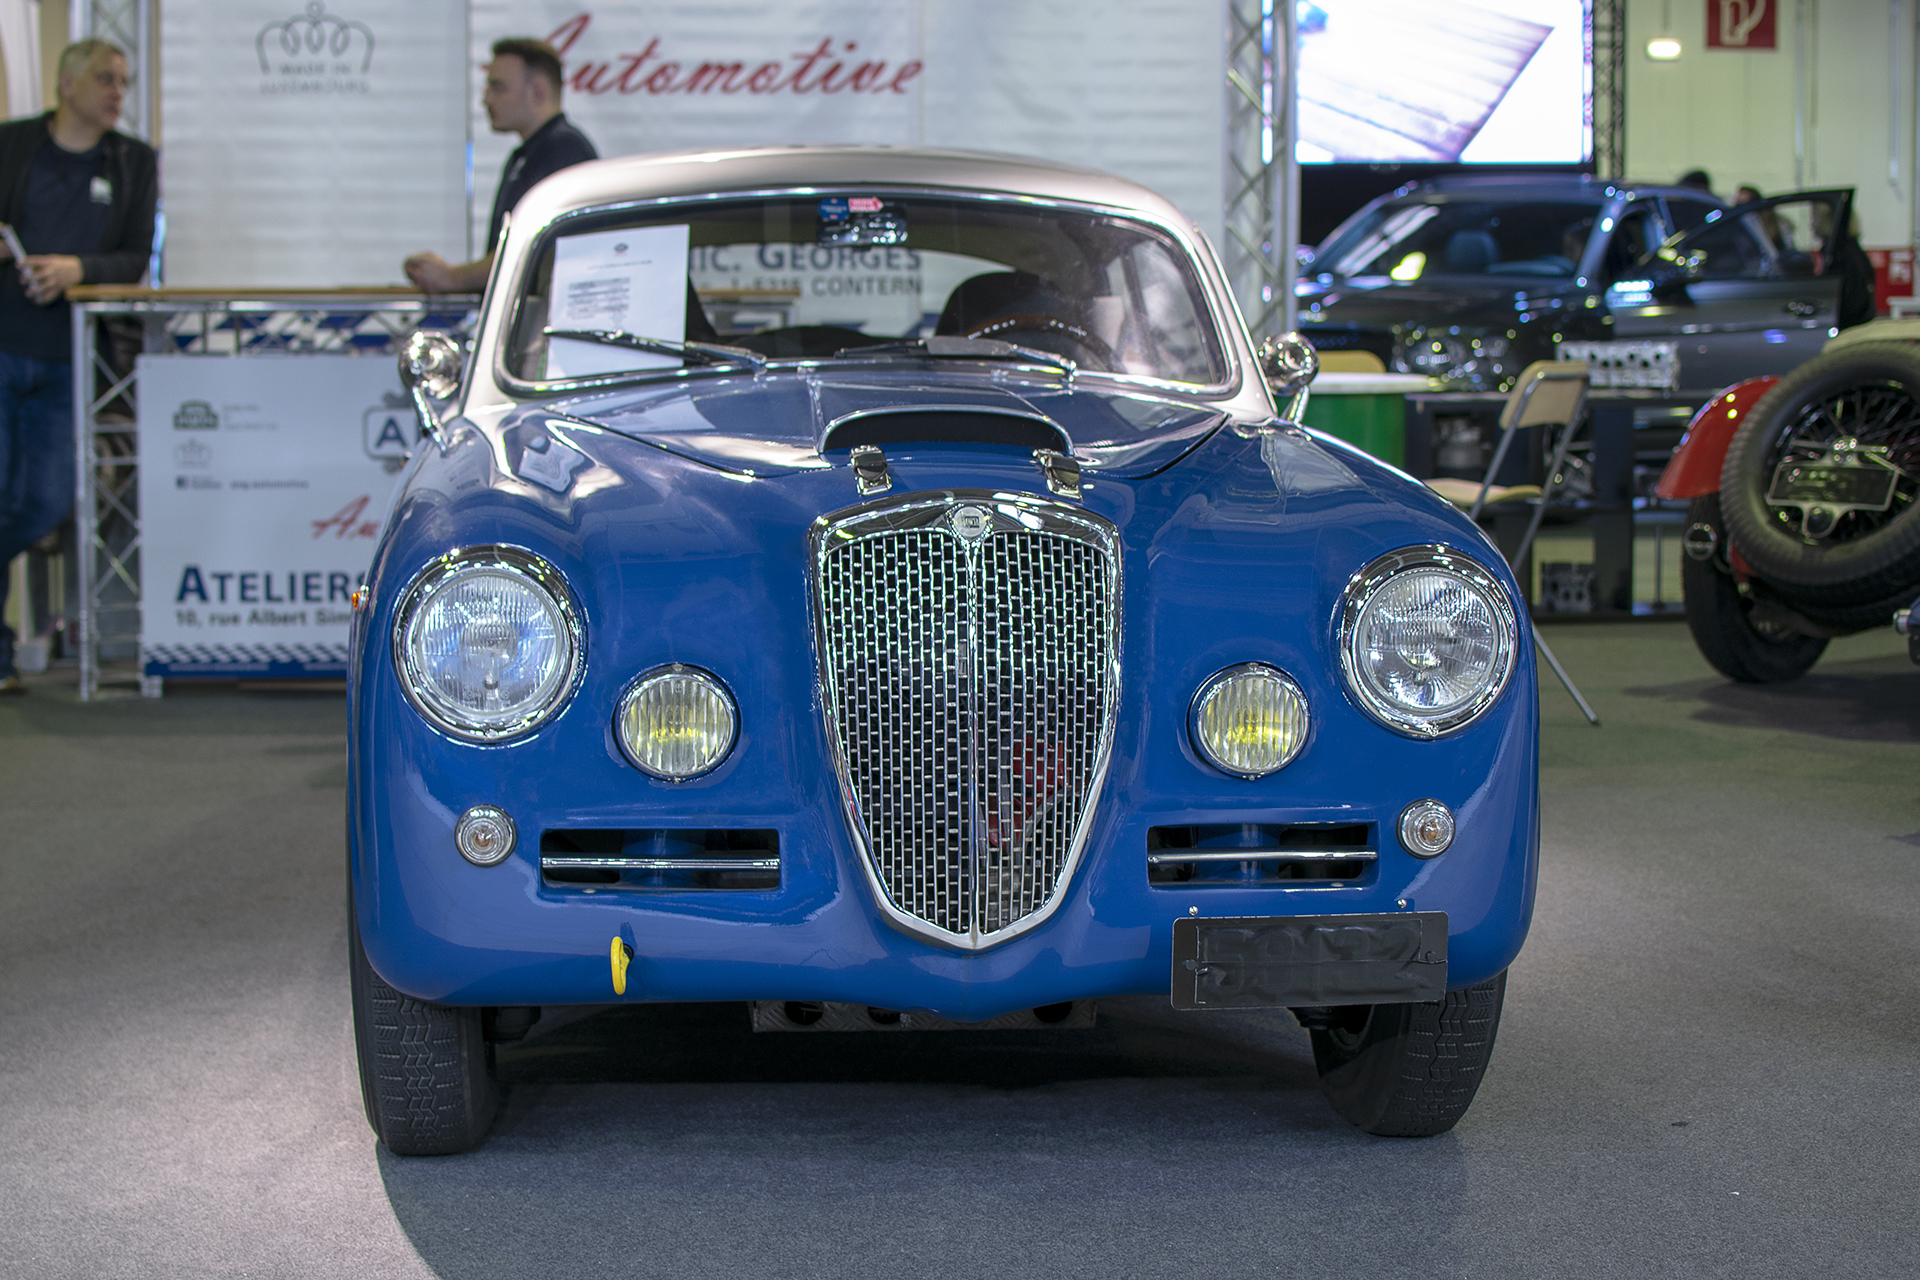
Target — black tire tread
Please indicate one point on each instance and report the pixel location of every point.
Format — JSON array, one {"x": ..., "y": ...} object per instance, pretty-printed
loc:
[
  {"x": 1717, "y": 617},
  {"x": 426, "y": 1070},
  {"x": 1855, "y": 573},
  {"x": 1419, "y": 1065}
]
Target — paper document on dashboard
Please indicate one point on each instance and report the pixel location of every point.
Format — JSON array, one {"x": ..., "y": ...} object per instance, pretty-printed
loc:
[{"x": 632, "y": 281}]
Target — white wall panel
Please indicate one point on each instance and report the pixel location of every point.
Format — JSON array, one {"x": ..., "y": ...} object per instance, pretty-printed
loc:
[
  {"x": 321, "y": 165},
  {"x": 1732, "y": 112},
  {"x": 1131, "y": 86}
]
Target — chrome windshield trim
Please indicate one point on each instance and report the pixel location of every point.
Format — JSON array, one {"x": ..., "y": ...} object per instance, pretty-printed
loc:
[{"x": 503, "y": 316}]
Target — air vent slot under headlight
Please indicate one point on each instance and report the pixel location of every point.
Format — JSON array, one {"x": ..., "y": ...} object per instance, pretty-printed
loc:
[
  {"x": 1241, "y": 853},
  {"x": 970, "y": 660},
  {"x": 672, "y": 858}
]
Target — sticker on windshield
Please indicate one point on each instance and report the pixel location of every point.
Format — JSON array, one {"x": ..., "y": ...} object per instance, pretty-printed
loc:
[{"x": 861, "y": 220}]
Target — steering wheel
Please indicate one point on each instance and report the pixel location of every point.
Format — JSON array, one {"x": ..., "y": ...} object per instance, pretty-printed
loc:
[{"x": 1041, "y": 322}]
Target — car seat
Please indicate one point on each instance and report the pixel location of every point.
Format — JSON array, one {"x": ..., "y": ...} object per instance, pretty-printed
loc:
[
  {"x": 981, "y": 298},
  {"x": 1471, "y": 252}
]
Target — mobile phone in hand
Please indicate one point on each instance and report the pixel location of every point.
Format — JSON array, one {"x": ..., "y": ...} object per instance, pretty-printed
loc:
[{"x": 13, "y": 245}]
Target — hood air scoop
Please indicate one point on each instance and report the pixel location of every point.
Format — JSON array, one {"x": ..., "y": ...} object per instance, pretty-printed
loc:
[{"x": 956, "y": 424}]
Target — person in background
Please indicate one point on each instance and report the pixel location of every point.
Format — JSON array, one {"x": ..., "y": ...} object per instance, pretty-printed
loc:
[
  {"x": 1697, "y": 179},
  {"x": 1777, "y": 233},
  {"x": 522, "y": 96},
  {"x": 79, "y": 198}
]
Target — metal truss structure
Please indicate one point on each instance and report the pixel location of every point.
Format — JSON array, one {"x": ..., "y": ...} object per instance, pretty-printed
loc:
[
  {"x": 1609, "y": 50},
  {"x": 108, "y": 331},
  {"x": 1262, "y": 196},
  {"x": 129, "y": 24}
]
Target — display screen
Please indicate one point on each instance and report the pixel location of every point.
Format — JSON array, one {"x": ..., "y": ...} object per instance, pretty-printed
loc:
[{"x": 1405, "y": 82}]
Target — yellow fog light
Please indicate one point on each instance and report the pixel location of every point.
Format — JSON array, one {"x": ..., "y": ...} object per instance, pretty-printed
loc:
[
  {"x": 1249, "y": 720},
  {"x": 676, "y": 722}
]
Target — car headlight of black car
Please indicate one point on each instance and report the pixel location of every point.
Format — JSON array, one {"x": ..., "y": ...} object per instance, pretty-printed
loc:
[
  {"x": 1463, "y": 357},
  {"x": 1427, "y": 640},
  {"x": 488, "y": 642}
]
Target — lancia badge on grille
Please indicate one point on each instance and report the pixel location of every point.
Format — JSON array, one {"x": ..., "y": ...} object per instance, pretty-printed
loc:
[{"x": 971, "y": 523}]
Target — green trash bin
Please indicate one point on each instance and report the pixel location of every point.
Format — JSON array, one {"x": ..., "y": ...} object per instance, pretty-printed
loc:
[{"x": 1368, "y": 410}]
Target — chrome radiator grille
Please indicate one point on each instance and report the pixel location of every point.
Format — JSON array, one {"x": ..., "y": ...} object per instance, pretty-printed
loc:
[{"x": 969, "y": 647}]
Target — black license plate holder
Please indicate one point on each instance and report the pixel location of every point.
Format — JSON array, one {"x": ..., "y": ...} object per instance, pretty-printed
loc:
[{"x": 1250, "y": 962}]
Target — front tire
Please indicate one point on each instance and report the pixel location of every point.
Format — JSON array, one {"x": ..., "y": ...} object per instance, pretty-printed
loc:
[
  {"x": 1720, "y": 618},
  {"x": 426, "y": 1070},
  {"x": 1409, "y": 1070}
]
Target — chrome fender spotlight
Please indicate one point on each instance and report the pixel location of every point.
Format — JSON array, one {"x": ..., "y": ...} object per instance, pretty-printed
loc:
[
  {"x": 485, "y": 835},
  {"x": 1426, "y": 828}
]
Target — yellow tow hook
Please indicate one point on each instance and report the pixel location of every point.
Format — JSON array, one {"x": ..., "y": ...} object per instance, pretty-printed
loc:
[{"x": 620, "y": 955}]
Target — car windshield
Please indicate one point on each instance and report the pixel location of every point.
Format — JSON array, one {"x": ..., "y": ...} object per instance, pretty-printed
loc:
[
  {"x": 853, "y": 277},
  {"x": 1408, "y": 239}
]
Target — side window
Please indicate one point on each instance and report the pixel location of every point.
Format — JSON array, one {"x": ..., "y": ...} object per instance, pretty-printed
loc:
[
  {"x": 1634, "y": 236},
  {"x": 1800, "y": 232},
  {"x": 1687, "y": 214},
  {"x": 1734, "y": 248},
  {"x": 1790, "y": 240}
]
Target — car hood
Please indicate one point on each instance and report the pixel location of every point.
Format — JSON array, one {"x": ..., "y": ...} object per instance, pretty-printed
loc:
[{"x": 774, "y": 424}]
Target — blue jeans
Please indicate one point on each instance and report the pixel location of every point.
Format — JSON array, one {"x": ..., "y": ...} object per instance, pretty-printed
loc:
[{"x": 36, "y": 463}]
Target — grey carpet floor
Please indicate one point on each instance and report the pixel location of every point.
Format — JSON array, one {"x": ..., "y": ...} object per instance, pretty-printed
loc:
[{"x": 1707, "y": 1066}]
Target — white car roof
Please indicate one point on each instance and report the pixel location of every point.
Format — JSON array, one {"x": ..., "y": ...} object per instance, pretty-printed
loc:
[{"x": 667, "y": 174}]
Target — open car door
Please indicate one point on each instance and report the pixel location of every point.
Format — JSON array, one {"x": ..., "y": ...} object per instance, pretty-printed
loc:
[{"x": 1755, "y": 289}]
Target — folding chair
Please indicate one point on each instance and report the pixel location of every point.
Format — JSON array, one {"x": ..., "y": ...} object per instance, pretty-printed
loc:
[{"x": 1548, "y": 393}]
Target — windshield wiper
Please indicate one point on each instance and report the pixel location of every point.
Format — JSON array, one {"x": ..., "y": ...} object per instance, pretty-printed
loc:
[
  {"x": 700, "y": 353},
  {"x": 951, "y": 347}
]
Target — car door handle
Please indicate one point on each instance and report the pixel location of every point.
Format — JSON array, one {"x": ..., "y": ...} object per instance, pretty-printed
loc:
[{"x": 1802, "y": 307}]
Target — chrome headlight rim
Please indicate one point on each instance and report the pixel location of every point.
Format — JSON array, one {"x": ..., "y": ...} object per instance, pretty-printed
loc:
[
  {"x": 517, "y": 562},
  {"x": 1359, "y": 592},
  {"x": 675, "y": 671},
  {"x": 1211, "y": 687}
]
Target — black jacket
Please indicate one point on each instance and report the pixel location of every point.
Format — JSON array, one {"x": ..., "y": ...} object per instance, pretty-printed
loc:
[{"x": 128, "y": 163}]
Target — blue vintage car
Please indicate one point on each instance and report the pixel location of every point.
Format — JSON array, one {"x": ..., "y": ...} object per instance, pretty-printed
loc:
[{"x": 877, "y": 587}]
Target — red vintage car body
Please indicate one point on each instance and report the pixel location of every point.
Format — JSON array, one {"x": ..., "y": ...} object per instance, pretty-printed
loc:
[{"x": 1694, "y": 469}]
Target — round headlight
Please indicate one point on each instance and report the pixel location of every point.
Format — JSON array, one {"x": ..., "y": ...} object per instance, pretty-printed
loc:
[
  {"x": 1249, "y": 720},
  {"x": 677, "y": 722},
  {"x": 1426, "y": 640},
  {"x": 488, "y": 642}
]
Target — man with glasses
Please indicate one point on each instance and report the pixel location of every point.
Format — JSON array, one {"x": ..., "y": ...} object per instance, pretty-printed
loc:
[{"x": 78, "y": 200}]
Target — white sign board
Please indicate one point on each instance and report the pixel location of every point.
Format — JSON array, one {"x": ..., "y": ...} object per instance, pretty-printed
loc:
[
  {"x": 629, "y": 281},
  {"x": 264, "y": 481},
  {"x": 1135, "y": 87},
  {"x": 311, "y": 142}
]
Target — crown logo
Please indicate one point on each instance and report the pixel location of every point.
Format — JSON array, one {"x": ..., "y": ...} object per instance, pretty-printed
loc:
[
  {"x": 313, "y": 33},
  {"x": 191, "y": 453}
]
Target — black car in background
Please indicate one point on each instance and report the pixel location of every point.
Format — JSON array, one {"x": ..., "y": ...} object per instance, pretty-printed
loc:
[{"x": 1469, "y": 279}]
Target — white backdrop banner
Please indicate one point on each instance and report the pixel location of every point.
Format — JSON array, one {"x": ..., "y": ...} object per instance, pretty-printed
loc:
[
  {"x": 263, "y": 484},
  {"x": 1136, "y": 87},
  {"x": 310, "y": 142}
]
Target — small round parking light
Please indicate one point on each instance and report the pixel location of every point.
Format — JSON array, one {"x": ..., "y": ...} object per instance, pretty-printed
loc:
[
  {"x": 1249, "y": 720},
  {"x": 1426, "y": 828},
  {"x": 677, "y": 722},
  {"x": 484, "y": 835}
]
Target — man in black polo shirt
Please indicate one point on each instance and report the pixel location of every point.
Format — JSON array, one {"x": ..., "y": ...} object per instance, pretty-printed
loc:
[
  {"x": 523, "y": 97},
  {"x": 80, "y": 198}
]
